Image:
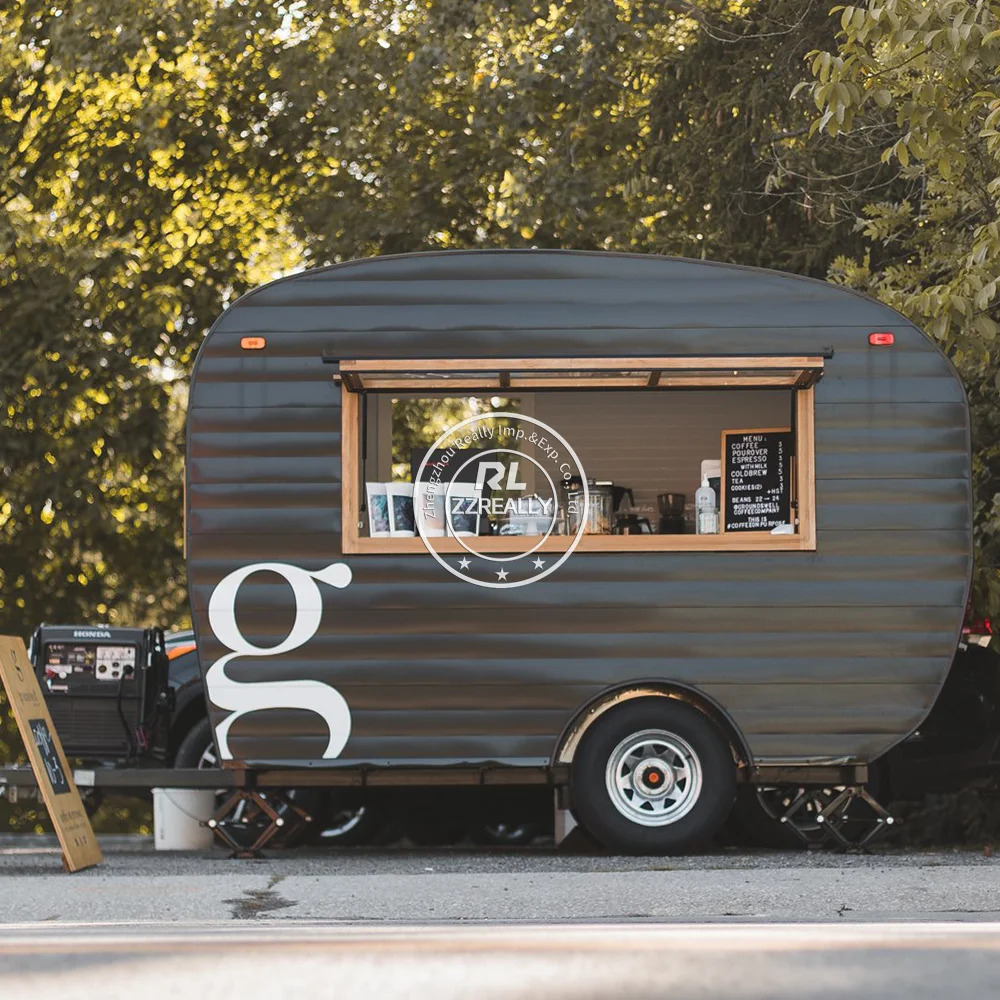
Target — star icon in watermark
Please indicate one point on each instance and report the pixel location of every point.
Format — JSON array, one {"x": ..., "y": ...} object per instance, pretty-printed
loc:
[
  {"x": 502, "y": 574},
  {"x": 538, "y": 563},
  {"x": 463, "y": 563}
]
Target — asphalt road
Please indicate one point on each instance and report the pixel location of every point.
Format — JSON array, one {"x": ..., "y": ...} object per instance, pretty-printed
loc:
[
  {"x": 499, "y": 924},
  {"x": 408, "y": 886}
]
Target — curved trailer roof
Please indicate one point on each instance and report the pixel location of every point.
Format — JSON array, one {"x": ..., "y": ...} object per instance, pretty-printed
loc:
[{"x": 826, "y": 655}]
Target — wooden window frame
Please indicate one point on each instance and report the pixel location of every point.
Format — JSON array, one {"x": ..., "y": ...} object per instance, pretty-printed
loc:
[{"x": 464, "y": 375}]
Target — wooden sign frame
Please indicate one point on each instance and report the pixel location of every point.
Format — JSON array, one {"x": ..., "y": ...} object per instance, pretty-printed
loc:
[
  {"x": 722, "y": 477},
  {"x": 48, "y": 761}
]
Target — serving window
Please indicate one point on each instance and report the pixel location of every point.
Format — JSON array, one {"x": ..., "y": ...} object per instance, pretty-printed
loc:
[{"x": 650, "y": 433}]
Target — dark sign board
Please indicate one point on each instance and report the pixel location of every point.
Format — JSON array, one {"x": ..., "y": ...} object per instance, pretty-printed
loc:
[
  {"x": 47, "y": 748},
  {"x": 756, "y": 479}
]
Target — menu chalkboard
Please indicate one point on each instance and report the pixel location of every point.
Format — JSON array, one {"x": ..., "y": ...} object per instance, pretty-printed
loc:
[
  {"x": 756, "y": 479},
  {"x": 47, "y": 748}
]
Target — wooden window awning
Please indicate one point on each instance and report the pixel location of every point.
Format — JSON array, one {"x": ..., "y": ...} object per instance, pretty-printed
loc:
[{"x": 473, "y": 374}]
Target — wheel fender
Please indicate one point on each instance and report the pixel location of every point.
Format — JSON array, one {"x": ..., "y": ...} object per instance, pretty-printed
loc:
[{"x": 570, "y": 739}]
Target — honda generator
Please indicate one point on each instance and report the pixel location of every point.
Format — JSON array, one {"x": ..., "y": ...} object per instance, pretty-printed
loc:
[{"x": 106, "y": 689}]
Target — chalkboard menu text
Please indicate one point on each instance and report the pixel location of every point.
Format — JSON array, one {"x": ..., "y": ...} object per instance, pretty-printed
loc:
[
  {"x": 756, "y": 480},
  {"x": 47, "y": 748}
]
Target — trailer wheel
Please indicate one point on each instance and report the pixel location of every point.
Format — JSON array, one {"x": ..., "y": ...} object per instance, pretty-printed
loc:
[
  {"x": 653, "y": 777},
  {"x": 351, "y": 819}
]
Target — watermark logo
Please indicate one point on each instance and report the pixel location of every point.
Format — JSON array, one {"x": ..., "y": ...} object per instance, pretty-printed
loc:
[{"x": 500, "y": 473}]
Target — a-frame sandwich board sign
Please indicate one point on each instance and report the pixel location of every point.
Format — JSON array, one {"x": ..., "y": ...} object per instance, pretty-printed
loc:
[{"x": 52, "y": 772}]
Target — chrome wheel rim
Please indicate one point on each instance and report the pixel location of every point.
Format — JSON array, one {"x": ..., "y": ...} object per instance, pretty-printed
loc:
[
  {"x": 509, "y": 833},
  {"x": 343, "y": 822},
  {"x": 654, "y": 778}
]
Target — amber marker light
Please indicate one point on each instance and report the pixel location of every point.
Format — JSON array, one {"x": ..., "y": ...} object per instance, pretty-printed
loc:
[
  {"x": 253, "y": 343},
  {"x": 881, "y": 339}
]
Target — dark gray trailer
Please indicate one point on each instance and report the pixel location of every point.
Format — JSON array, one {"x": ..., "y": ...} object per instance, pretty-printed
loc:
[{"x": 646, "y": 672}]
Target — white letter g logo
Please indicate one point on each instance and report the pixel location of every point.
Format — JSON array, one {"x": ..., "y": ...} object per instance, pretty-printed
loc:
[{"x": 239, "y": 697}]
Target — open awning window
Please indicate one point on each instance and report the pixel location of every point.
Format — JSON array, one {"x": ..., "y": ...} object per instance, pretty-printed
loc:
[
  {"x": 618, "y": 419},
  {"x": 471, "y": 374}
]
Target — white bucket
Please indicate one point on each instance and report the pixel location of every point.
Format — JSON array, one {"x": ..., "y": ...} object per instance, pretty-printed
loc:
[{"x": 177, "y": 817}]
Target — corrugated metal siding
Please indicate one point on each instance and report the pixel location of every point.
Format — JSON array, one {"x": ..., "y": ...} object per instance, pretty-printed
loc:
[{"x": 837, "y": 652}]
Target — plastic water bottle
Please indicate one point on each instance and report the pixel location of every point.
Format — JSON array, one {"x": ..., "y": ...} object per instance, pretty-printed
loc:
[{"x": 706, "y": 514}]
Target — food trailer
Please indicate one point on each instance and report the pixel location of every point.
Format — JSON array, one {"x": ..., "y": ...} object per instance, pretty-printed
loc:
[{"x": 694, "y": 525}]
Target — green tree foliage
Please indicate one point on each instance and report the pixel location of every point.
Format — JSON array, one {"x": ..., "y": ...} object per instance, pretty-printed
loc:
[
  {"x": 156, "y": 159},
  {"x": 919, "y": 80},
  {"x": 130, "y": 214},
  {"x": 723, "y": 173},
  {"x": 418, "y": 423},
  {"x": 592, "y": 124},
  {"x": 465, "y": 123}
]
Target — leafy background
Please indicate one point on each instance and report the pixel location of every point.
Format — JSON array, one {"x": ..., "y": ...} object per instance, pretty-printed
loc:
[{"x": 157, "y": 159}]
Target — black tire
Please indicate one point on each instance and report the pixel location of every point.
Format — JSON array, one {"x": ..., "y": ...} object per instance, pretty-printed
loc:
[
  {"x": 683, "y": 747},
  {"x": 197, "y": 749},
  {"x": 752, "y": 823},
  {"x": 510, "y": 817},
  {"x": 193, "y": 746},
  {"x": 349, "y": 819},
  {"x": 501, "y": 834}
]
